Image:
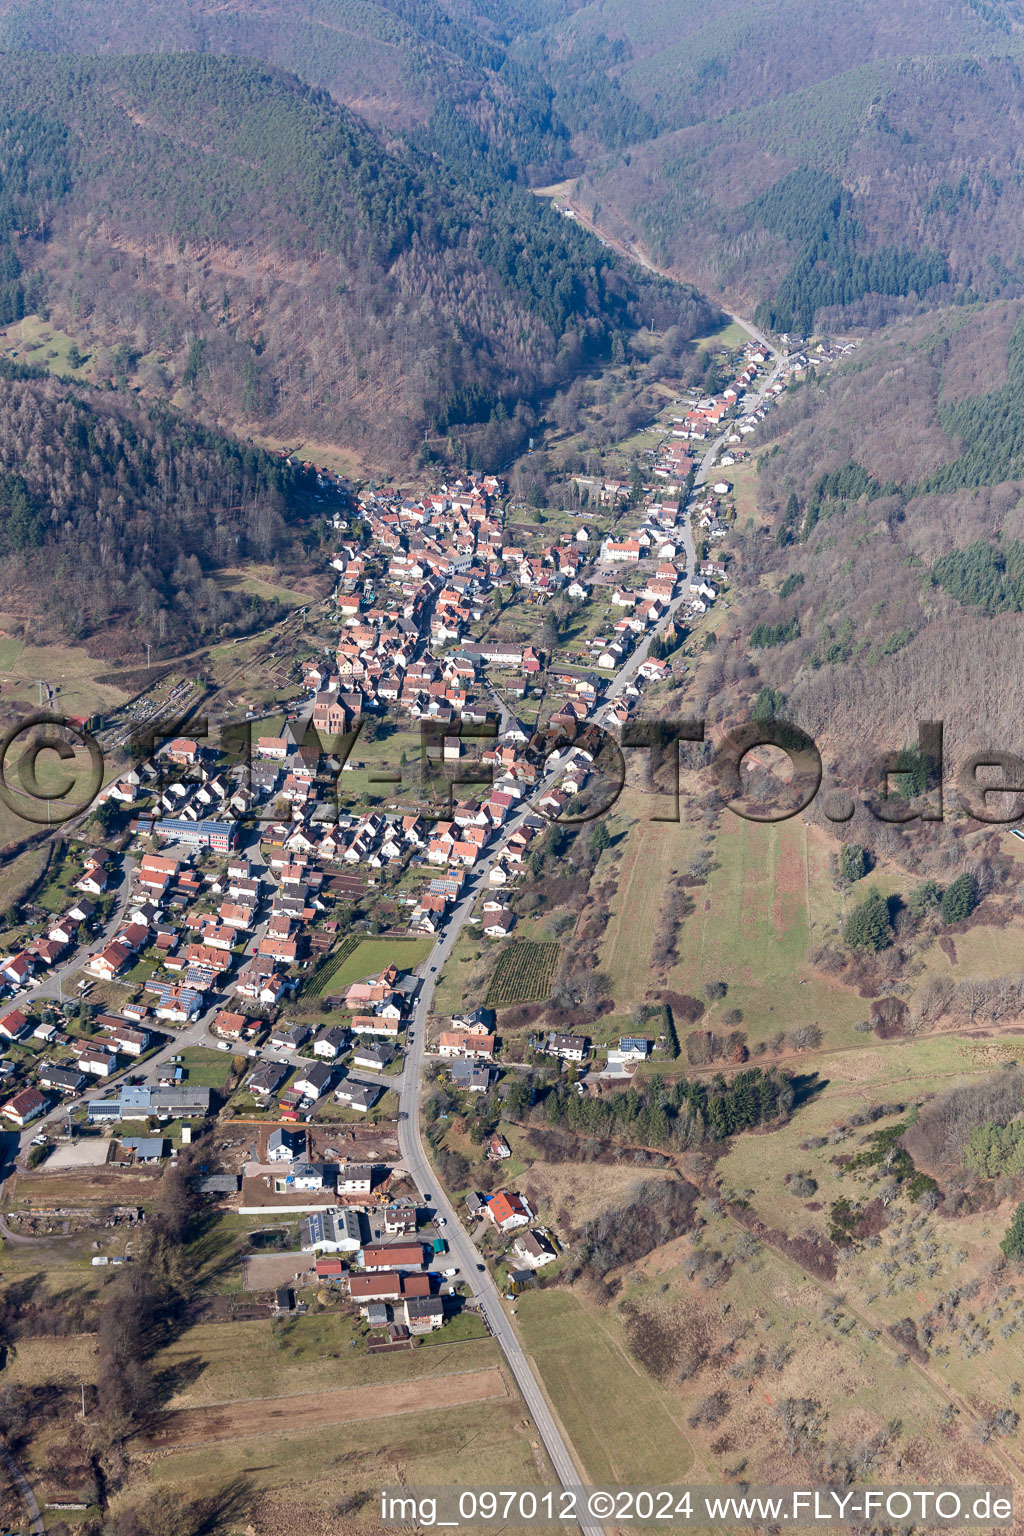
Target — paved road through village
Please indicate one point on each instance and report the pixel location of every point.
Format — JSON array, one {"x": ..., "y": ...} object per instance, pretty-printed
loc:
[
  {"x": 410, "y": 1140},
  {"x": 409, "y": 1086}
]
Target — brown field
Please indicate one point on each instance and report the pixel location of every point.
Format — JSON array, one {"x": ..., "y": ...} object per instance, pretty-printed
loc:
[
  {"x": 581, "y": 1192},
  {"x": 104, "y": 1186},
  {"x": 790, "y": 887},
  {"x": 66, "y": 1359},
  {"x": 654, "y": 851},
  {"x": 312, "y": 1410},
  {"x": 293, "y": 1482},
  {"x": 266, "y": 1271}
]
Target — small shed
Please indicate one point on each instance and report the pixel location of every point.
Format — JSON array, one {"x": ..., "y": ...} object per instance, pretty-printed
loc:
[{"x": 147, "y": 1149}]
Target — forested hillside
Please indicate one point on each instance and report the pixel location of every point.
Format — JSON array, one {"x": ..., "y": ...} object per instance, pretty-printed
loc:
[
  {"x": 910, "y": 114},
  {"x": 695, "y": 132},
  {"x": 260, "y": 251},
  {"x": 114, "y": 516},
  {"x": 887, "y": 587},
  {"x": 500, "y": 79}
]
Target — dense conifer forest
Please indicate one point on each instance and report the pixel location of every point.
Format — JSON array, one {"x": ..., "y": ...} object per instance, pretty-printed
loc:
[{"x": 258, "y": 245}]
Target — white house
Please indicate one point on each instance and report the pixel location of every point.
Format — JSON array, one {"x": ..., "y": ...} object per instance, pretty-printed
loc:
[
  {"x": 283, "y": 1146},
  {"x": 533, "y": 1250}
]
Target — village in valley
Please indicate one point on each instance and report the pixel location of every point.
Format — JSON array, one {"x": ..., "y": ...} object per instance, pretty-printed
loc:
[
  {"x": 245, "y": 962},
  {"x": 511, "y": 811}
]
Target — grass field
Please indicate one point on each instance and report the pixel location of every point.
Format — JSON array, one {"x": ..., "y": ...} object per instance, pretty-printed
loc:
[
  {"x": 462, "y": 981},
  {"x": 569, "y": 1201},
  {"x": 262, "y": 586},
  {"x": 636, "y": 1435},
  {"x": 788, "y": 1336},
  {"x": 20, "y": 875},
  {"x": 919, "y": 1258},
  {"x": 297, "y": 1482},
  {"x": 743, "y": 478},
  {"x": 205, "y": 1068},
  {"x": 68, "y": 669},
  {"x": 727, "y": 339},
  {"x": 321, "y": 978},
  {"x": 314, "y": 1411},
  {"x": 769, "y": 898},
  {"x": 68, "y": 1359},
  {"x": 72, "y": 674},
  {"x": 337, "y": 458},
  {"x": 981, "y": 951},
  {"x": 366, "y": 958},
  {"x": 43, "y": 345},
  {"x": 304, "y": 1354},
  {"x": 310, "y": 1432},
  {"x": 902, "y": 1071},
  {"x": 652, "y": 851}
]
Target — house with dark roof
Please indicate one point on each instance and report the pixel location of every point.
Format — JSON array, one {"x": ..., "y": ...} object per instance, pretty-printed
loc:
[
  {"x": 266, "y": 1079},
  {"x": 284, "y": 1146},
  {"x": 471, "y": 1077},
  {"x": 361, "y": 1096},
  {"x": 400, "y": 1217},
  {"x": 423, "y": 1314},
  {"x": 355, "y": 1179},
  {"x": 534, "y": 1250},
  {"x": 288, "y": 1037},
  {"x": 336, "y": 1230},
  {"x": 144, "y": 1149},
  {"x": 218, "y": 1184},
  {"x": 331, "y": 1042},
  {"x": 64, "y": 1079},
  {"x": 373, "y": 1058},
  {"x": 313, "y": 1079}
]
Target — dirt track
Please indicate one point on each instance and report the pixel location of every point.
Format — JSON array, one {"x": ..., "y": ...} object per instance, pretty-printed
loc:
[{"x": 312, "y": 1410}]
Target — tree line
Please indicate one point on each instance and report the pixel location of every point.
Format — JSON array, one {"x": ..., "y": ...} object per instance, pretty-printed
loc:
[{"x": 687, "y": 1113}]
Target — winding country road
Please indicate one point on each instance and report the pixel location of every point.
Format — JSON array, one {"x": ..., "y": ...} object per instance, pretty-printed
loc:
[{"x": 23, "y": 1486}]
